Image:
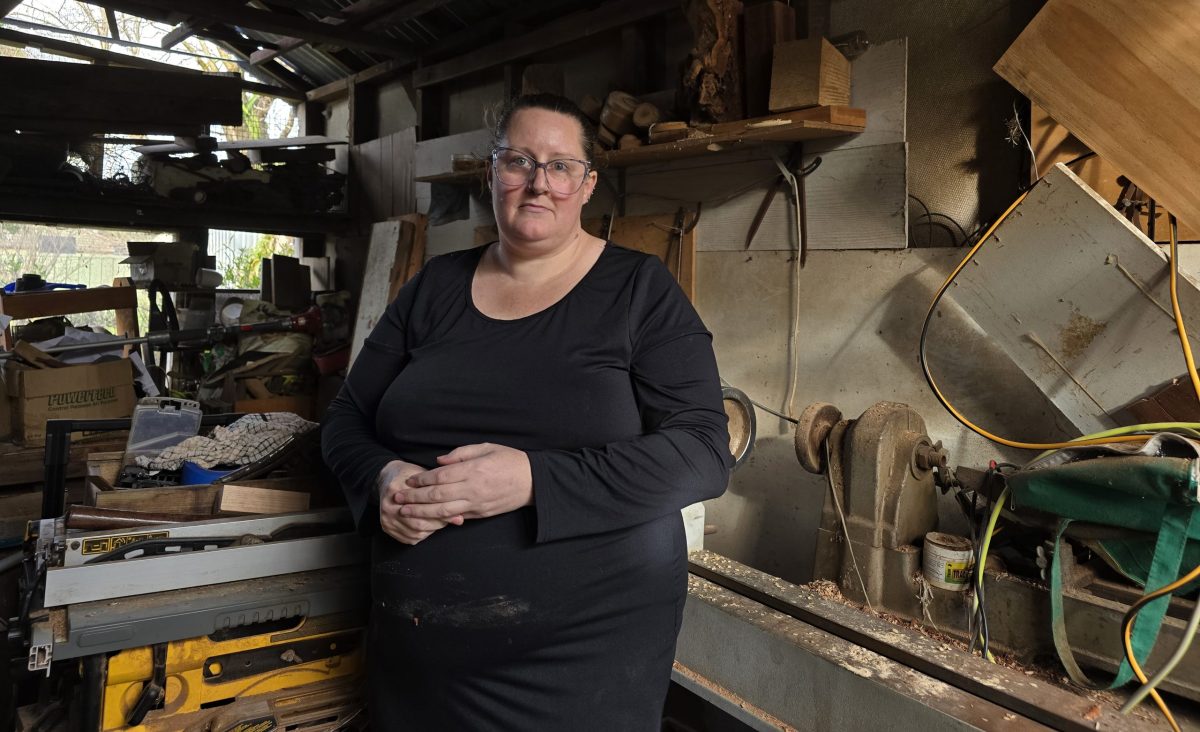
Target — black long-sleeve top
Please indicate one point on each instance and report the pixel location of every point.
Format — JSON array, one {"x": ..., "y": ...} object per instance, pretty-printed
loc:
[
  {"x": 562, "y": 615},
  {"x": 612, "y": 392}
]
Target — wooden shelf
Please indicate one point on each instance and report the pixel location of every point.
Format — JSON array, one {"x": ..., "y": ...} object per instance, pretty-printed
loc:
[
  {"x": 52, "y": 206},
  {"x": 462, "y": 177},
  {"x": 796, "y": 126}
]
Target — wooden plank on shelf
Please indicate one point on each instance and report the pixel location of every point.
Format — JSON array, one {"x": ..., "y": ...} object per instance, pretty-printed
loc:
[
  {"x": 264, "y": 144},
  {"x": 239, "y": 499},
  {"x": 26, "y": 203},
  {"x": 656, "y": 235},
  {"x": 836, "y": 114},
  {"x": 1113, "y": 74},
  {"x": 794, "y": 131},
  {"x": 184, "y": 499}
]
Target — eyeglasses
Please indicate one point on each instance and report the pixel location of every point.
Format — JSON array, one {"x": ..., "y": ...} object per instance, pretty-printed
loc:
[{"x": 515, "y": 168}]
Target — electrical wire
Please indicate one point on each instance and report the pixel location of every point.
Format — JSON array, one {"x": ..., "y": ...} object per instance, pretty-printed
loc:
[
  {"x": 842, "y": 517},
  {"x": 1149, "y": 685},
  {"x": 1127, "y": 633},
  {"x": 937, "y": 392},
  {"x": 1173, "y": 262},
  {"x": 1185, "y": 643}
]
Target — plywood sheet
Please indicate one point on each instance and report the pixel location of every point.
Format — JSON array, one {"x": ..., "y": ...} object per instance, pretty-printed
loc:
[
  {"x": 382, "y": 176},
  {"x": 656, "y": 235},
  {"x": 1078, "y": 298},
  {"x": 1052, "y": 143},
  {"x": 372, "y": 300},
  {"x": 1123, "y": 77}
]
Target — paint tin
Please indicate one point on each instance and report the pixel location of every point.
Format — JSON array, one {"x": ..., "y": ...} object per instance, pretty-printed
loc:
[{"x": 948, "y": 561}]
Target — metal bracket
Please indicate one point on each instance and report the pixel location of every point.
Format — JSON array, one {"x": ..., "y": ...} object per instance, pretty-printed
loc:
[{"x": 41, "y": 646}]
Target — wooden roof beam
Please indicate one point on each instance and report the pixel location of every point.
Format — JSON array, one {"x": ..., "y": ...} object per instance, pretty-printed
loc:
[
  {"x": 234, "y": 13},
  {"x": 76, "y": 50},
  {"x": 606, "y": 17},
  {"x": 184, "y": 30},
  {"x": 362, "y": 14}
]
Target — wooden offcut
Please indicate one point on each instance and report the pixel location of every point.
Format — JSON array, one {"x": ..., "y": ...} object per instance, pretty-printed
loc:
[
  {"x": 1121, "y": 77},
  {"x": 251, "y": 499},
  {"x": 617, "y": 114},
  {"x": 628, "y": 142},
  {"x": 410, "y": 252},
  {"x": 808, "y": 73},
  {"x": 645, "y": 114},
  {"x": 668, "y": 132}
]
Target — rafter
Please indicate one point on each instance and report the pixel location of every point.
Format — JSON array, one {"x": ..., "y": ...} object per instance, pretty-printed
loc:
[
  {"x": 285, "y": 24},
  {"x": 76, "y": 50},
  {"x": 551, "y": 35},
  {"x": 184, "y": 30},
  {"x": 363, "y": 14}
]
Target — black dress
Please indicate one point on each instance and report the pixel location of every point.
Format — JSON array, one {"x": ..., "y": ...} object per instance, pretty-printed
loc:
[{"x": 562, "y": 615}]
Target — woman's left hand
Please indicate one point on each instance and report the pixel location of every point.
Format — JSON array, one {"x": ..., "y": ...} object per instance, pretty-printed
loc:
[{"x": 473, "y": 481}]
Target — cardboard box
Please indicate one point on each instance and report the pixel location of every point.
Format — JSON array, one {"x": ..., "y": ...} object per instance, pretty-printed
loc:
[
  {"x": 174, "y": 263},
  {"x": 89, "y": 391}
]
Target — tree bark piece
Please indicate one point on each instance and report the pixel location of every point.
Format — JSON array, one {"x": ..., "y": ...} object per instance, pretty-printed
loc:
[{"x": 712, "y": 77}]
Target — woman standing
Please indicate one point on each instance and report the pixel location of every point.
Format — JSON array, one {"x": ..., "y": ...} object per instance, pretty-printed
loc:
[{"x": 519, "y": 433}]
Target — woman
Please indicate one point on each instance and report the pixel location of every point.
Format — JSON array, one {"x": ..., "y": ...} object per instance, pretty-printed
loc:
[{"x": 522, "y": 428}]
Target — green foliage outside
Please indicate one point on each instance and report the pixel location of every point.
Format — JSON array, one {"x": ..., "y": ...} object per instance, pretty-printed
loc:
[{"x": 245, "y": 271}]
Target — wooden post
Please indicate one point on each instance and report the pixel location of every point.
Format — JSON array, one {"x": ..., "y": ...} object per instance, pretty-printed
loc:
[{"x": 765, "y": 24}]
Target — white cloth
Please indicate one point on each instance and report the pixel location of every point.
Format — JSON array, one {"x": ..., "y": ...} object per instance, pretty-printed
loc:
[{"x": 250, "y": 439}]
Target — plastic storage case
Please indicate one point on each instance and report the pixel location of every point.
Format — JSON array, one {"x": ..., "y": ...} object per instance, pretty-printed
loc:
[{"x": 159, "y": 423}]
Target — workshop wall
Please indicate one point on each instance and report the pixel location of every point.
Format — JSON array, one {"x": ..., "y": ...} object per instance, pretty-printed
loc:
[
  {"x": 961, "y": 162},
  {"x": 860, "y": 311}
]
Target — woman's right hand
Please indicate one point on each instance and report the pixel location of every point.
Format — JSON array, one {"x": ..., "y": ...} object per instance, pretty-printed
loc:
[{"x": 404, "y": 529}]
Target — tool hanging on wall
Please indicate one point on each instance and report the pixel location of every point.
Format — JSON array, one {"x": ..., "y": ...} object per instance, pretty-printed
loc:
[
  {"x": 169, "y": 340},
  {"x": 796, "y": 180}
]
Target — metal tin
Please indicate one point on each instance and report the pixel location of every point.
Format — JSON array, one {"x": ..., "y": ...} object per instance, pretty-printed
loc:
[{"x": 947, "y": 561}]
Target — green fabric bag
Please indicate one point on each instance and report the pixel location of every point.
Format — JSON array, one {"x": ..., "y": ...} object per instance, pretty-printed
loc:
[{"x": 1150, "y": 488}]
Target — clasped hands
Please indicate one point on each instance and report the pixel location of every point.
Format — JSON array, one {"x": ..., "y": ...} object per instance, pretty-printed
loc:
[{"x": 473, "y": 481}]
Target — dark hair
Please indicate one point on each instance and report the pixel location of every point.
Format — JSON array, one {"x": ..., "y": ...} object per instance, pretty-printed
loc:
[{"x": 551, "y": 103}]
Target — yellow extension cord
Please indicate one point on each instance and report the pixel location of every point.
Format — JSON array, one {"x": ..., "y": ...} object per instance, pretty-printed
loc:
[{"x": 1103, "y": 438}]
